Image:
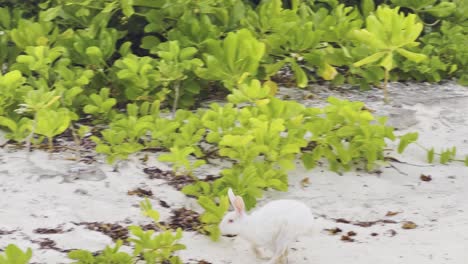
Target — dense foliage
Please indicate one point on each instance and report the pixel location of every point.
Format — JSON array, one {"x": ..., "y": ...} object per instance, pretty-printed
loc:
[{"x": 116, "y": 67}]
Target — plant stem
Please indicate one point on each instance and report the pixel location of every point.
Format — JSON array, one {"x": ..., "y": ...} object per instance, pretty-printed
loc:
[
  {"x": 176, "y": 97},
  {"x": 421, "y": 146},
  {"x": 51, "y": 145},
  {"x": 385, "y": 86},
  {"x": 33, "y": 129},
  {"x": 77, "y": 140}
]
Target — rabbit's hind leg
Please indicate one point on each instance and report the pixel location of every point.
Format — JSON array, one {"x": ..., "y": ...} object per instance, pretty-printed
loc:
[
  {"x": 258, "y": 252},
  {"x": 285, "y": 256},
  {"x": 280, "y": 256},
  {"x": 282, "y": 242}
]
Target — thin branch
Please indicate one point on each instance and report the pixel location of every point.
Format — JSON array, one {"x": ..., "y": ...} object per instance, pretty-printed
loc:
[{"x": 176, "y": 98}]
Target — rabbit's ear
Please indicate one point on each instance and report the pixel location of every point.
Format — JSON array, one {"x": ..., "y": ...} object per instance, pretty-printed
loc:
[
  {"x": 232, "y": 197},
  {"x": 239, "y": 205}
]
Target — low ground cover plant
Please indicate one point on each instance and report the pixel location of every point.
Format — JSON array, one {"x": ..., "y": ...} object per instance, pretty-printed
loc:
[{"x": 148, "y": 246}]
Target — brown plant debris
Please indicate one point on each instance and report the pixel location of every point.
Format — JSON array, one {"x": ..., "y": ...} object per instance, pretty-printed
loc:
[
  {"x": 140, "y": 192},
  {"x": 351, "y": 233},
  {"x": 195, "y": 261},
  {"x": 151, "y": 226},
  {"x": 426, "y": 178},
  {"x": 305, "y": 182},
  {"x": 177, "y": 182},
  {"x": 374, "y": 234},
  {"x": 114, "y": 231},
  {"x": 186, "y": 219},
  {"x": 6, "y": 232},
  {"x": 342, "y": 220},
  {"x": 334, "y": 231},
  {"x": 346, "y": 238},
  {"x": 365, "y": 223},
  {"x": 47, "y": 243},
  {"x": 409, "y": 225},
  {"x": 203, "y": 262},
  {"x": 56, "y": 230},
  {"x": 164, "y": 204},
  {"x": 391, "y": 213},
  {"x": 391, "y": 232}
]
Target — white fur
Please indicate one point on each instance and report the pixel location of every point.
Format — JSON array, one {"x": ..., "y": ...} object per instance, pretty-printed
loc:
[{"x": 275, "y": 225}]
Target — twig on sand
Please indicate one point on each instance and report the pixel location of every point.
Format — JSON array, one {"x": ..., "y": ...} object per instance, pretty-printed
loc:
[{"x": 399, "y": 171}]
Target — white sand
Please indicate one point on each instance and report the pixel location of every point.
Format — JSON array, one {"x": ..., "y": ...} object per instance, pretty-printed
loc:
[{"x": 40, "y": 192}]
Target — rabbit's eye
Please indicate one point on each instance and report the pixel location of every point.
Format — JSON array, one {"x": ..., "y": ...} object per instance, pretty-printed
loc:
[{"x": 230, "y": 221}]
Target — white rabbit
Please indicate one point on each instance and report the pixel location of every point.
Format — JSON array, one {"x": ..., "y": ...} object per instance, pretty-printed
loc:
[{"x": 275, "y": 225}]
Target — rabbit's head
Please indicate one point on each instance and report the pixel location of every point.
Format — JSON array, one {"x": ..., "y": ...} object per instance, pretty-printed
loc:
[{"x": 232, "y": 221}]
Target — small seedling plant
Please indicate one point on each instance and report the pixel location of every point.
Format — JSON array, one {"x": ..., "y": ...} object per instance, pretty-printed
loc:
[
  {"x": 149, "y": 246},
  {"x": 389, "y": 32}
]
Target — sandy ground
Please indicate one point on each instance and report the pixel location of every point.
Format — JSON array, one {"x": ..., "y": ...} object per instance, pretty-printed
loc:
[{"x": 40, "y": 191}]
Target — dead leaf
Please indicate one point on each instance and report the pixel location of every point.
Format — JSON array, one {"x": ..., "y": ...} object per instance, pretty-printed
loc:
[
  {"x": 409, "y": 225},
  {"x": 203, "y": 262},
  {"x": 186, "y": 219},
  {"x": 5, "y": 232},
  {"x": 346, "y": 238},
  {"x": 391, "y": 213},
  {"x": 365, "y": 108},
  {"x": 374, "y": 234},
  {"x": 352, "y": 233},
  {"x": 391, "y": 232},
  {"x": 364, "y": 223},
  {"x": 334, "y": 231},
  {"x": 145, "y": 158},
  {"x": 425, "y": 178},
  {"x": 272, "y": 86},
  {"x": 57, "y": 230},
  {"x": 140, "y": 192},
  {"x": 164, "y": 204},
  {"x": 309, "y": 96},
  {"x": 115, "y": 231},
  {"x": 327, "y": 72},
  {"x": 46, "y": 243},
  {"x": 342, "y": 220},
  {"x": 305, "y": 182}
]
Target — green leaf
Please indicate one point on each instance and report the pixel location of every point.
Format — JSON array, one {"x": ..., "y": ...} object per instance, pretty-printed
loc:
[
  {"x": 50, "y": 14},
  {"x": 299, "y": 74},
  {"x": 125, "y": 48},
  {"x": 9, "y": 123},
  {"x": 309, "y": 160},
  {"x": 416, "y": 57},
  {"x": 149, "y": 42},
  {"x": 5, "y": 18},
  {"x": 14, "y": 255},
  {"x": 430, "y": 155},
  {"x": 445, "y": 156},
  {"x": 371, "y": 59},
  {"x": 443, "y": 9},
  {"x": 387, "y": 62},
  {"x": 83, "y": 256},
  {"x": 230, "y": 59},
  {"x": 367, "y": 6},
  {"x": 127, "y": 7},
  {"x": 327, "y": 72},
  {"x": 407, "y": 139},
  {"x": 94, "y": 52}
]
